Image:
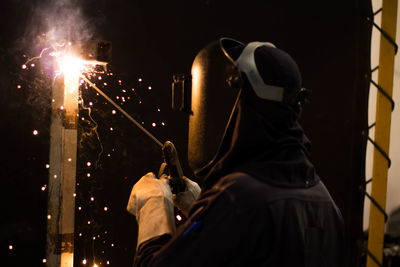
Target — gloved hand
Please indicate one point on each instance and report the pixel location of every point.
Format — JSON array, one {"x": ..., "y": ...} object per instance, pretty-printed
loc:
[
  {"x": 151, "y": 202},
  {"x": 184, "y": 200}
]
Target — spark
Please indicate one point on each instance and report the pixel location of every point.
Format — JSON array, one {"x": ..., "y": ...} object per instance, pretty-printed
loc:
[
  {"x": 93, "y": 130},
  {"x": 35, "y": 132},
  {"x": 10, "y": 247}
]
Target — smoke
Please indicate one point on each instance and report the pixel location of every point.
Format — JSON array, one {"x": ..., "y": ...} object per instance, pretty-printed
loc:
[
  {"x": 52, "y": 23},
  {"x": 49, "y": 25}
]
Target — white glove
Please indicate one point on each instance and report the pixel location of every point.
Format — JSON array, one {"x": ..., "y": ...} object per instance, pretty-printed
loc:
[
  {"x": 184, "y": 200},
  {"x": 151, "y": 202}
]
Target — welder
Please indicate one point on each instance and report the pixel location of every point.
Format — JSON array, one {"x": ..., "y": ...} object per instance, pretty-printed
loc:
[{"x": 261, "y": 201}]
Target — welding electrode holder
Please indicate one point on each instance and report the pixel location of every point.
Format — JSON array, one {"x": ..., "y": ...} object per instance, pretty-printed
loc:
[{"x": 172, "y": 168}]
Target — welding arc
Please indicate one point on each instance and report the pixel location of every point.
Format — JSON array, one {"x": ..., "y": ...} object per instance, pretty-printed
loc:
[{"x": 122, "y": 111}]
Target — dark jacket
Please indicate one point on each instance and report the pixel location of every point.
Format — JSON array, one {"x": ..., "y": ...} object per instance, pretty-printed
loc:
[
  {"x": 262, "y": 203},
  {"x": 243, "y": 222}
]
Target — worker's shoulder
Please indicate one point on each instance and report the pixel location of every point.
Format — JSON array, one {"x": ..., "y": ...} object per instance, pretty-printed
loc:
[{"x": 242, "y": 185}]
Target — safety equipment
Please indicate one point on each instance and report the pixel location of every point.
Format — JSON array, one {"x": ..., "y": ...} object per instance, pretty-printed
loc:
[
  {"x": 219, "y": 74},
  {"x": 151, "y": 202},
  {"x": 215, "y": 90},
  {"x": 184, "y": 200},
  {"x": 247, "y": 64}
]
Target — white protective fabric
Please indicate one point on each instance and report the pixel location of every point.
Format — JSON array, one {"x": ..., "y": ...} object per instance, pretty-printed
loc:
[
  {"x": 184, "y": 200},
  {"x": 151, "y": 202}
]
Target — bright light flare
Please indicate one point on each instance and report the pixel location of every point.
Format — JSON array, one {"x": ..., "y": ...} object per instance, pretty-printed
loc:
[{"x": 72, "y": 68}]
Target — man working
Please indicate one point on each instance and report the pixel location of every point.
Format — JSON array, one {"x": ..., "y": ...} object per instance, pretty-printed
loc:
[{"x": 262, "y": 202}]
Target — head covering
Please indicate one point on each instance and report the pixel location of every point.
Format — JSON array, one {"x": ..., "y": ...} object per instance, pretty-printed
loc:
[{"x": 264, "y": 138}]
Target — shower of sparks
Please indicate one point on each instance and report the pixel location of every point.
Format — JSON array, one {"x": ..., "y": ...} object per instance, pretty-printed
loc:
[
  {"x": 93, "y": 130},
  {"x": 79, "y": 74},
  {"x": 123, "y": 111}
]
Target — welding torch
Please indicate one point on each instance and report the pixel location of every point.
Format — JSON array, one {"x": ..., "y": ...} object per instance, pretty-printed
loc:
[{"x": 171, "y": 165}]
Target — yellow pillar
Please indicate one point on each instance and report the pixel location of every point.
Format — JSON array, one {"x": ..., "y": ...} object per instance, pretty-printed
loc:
[{"x": 382, "y": 132}]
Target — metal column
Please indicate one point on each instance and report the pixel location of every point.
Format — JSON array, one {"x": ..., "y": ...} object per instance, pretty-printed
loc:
[
  {"x": 384, "y": 106},
  {"x": 62, "y": 173}
]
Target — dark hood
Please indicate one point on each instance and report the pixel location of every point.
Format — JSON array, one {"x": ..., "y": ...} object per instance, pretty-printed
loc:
[{"x": 265, "y": 141}]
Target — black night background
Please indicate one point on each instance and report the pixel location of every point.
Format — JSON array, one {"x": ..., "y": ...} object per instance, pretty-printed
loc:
[{"x": 151, "y": 41}]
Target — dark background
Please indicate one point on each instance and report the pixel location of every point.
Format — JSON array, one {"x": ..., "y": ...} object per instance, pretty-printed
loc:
[{"x": 153, "y": 40}]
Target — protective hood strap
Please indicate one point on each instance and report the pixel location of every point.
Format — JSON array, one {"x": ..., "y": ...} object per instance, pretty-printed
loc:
[{"x": 247, "y": 64}]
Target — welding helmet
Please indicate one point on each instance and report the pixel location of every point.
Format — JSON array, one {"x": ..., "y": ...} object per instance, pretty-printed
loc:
[{"x": 219, "y": 72}]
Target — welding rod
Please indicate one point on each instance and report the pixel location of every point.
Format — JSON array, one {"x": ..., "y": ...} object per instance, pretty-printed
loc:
[{"x": 122, "y": 111}]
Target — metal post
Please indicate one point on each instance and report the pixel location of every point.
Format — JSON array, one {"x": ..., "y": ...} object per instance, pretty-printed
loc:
[
  {"x": 382, "y": 133},
  {"x": 62, "y": 176}
]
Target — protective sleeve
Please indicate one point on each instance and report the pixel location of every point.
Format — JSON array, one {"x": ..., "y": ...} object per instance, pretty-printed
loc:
[{"x": 214, "y": 235}]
